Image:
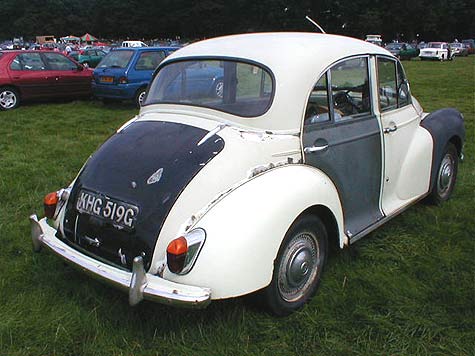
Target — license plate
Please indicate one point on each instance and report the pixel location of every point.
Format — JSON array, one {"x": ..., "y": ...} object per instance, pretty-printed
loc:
[
  {"x": 120, "y": 214},
  {"x": 106, "y": 79}
]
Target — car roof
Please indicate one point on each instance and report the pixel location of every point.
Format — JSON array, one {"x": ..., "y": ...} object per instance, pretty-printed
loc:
[
  {"x": 297, "y": 60},
  {"x": 144, "y": 48}
]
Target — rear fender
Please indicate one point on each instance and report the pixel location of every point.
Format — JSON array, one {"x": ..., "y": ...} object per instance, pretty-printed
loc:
[{"x": 244, "y": 230}]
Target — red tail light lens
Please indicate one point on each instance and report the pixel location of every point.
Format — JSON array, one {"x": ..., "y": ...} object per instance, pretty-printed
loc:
[
  {"x": 183, "y": 251},
  {"x": 50, "y": 201},
  {"x": 123, "y": 80},
  {"x": 176, "y": 254}
]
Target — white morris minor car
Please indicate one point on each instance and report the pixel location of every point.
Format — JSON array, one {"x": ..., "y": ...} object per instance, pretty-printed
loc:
[
  {"x": 436, "y": 51},
  {"x": 250, "y": 156}
]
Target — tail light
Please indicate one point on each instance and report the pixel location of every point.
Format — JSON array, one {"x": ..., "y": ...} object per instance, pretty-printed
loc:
[
  {"x": 50, "y": 201},
  {"x": 123, "y": 80},
  {"x": 183, "y": 251}
]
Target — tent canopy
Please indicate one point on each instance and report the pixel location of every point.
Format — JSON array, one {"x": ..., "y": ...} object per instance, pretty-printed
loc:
[
  {"x": 88, "y": 38},
  {"x": 70, "y": 38}
]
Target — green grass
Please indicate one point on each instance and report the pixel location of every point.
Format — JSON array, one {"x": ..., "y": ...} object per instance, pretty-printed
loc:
[{"x": 406, "y": 289}]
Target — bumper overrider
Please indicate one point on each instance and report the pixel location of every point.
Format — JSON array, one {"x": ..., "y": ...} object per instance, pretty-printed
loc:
[{"x": 139, "y": 284}]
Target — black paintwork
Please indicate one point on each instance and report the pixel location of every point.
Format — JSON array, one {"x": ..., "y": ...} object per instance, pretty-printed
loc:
[
  {"x": 444, "y": 125},
  {"x": 120, "y": 170},
  {"x": 353, "y": 162}
]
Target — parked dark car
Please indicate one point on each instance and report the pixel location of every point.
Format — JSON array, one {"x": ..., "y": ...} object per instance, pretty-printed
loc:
[
  {"x": 91, "y": 57},
  {"x": 125, "y": 73},
  {"x": 470, "y": 43},
  {"x": 28, "y": 75},
  {"x": 402, "y": 50}
]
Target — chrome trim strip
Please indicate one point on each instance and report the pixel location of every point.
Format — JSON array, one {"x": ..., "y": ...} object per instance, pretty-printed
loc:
[{"x": 139, "y": 284}]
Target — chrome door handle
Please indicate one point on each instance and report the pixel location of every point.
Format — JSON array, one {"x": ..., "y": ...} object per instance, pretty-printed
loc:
[
  {"x": 390, "y": 129},
  {"x": 315, "y": 149}
]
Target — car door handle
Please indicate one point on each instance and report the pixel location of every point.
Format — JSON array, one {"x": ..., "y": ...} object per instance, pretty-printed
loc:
[
  {"x": 390, "y": 129},
  {"x": 314, "y": 149}
]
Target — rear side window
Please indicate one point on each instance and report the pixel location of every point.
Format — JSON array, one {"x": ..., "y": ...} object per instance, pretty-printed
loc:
[
  {"x": 59, "y": 62},
  {"x": 149, "y": 60},
  {"x": 116, "y": 59},
  {"x": 28, "y": 61},
  {"x": 350, "y": 88}
]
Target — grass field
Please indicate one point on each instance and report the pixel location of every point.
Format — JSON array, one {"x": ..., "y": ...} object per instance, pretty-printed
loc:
[{"x": 406, "y": 289}]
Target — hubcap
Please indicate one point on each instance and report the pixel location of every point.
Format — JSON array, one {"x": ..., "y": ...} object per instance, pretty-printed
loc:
[
  {"x": 446, "y": 173},
  {"x": 7, "y": 99},
  {"x": 299, "y": 266},
  {"x": 219, "y": 89},
  {"x": 141, "y": 97}
]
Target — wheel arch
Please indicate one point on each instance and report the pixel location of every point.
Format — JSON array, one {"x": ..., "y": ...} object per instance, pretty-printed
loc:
[{"x": 445, "y": 126}]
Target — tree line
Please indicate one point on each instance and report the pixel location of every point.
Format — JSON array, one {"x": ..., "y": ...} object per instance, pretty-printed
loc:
[{"x": 148, "y": 19}]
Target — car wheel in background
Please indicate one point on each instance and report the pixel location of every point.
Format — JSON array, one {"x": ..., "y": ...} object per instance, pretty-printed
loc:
[
  {"x": 446, "y": 176},
  {"x": 140, "y": 96},
  {"x": 9, "y": 98},
  {"x": 218, "y": 89},
  {"x": 298, "y": 266}
]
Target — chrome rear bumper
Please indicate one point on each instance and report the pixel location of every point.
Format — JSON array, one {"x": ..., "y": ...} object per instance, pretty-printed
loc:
[{"x": 139, "y": 284}]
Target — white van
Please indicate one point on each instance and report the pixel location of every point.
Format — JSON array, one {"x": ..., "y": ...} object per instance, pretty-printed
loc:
[{"x": 133, "y": 44}]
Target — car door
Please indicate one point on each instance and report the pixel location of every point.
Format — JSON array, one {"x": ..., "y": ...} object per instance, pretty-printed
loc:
[
  {"x": 342, "y": 138},
  {"x": 407, "y": 158},
  {"x": 70, "y": 79},
  {"x": 29, "y": 72}
]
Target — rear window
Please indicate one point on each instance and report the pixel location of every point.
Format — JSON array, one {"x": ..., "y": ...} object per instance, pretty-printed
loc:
[
  {"x": 116, "y": 59},
  {"x": 239, "y": 88}
]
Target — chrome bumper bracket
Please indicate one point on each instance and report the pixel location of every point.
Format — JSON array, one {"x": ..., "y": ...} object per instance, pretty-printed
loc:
[{"x": 138, "y": 282}]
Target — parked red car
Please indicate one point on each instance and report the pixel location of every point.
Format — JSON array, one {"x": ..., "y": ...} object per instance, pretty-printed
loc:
[{"x": 28, "y": 75}]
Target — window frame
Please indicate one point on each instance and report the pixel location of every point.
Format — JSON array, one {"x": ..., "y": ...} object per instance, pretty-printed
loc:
[{"x": 350, "y": 118}]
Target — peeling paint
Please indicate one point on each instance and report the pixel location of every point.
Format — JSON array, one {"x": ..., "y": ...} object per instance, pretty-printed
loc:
[
  {"x": 265, "y": 167},
  {"x": 155, "y": 177}
]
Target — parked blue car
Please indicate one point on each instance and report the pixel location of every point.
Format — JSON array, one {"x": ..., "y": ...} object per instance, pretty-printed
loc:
[{"x": 125, "y": 73}]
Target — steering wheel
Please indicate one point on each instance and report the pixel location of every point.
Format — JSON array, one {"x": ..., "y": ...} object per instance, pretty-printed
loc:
[{"x": 343, "y": 102}]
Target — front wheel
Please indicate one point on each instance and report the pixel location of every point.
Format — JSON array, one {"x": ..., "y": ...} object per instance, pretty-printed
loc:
[
  {"x": 298, "y": 266},
  {"x": 446, "y": 176},
  {"x": 9, "y": 99}
]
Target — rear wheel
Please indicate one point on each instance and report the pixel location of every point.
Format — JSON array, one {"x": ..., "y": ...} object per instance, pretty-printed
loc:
[
  {"x": 9, "y": 98},
  {"x": 298, "y": 266},
  {"x": 139, "y": 96},
  {"x": 446, "y": 176}
]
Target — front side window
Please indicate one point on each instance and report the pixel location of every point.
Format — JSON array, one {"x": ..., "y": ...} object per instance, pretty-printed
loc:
[
  {"x": 149, "y": 60},
  {"x": 116, "y": 59},
  {"x": 393, "y": 85},
  {"x": 28, "y": 61},
  {"x": 59, "y": 62},
  {"x": 350, "y": 88},
  {"x": 238, "y": 88}
]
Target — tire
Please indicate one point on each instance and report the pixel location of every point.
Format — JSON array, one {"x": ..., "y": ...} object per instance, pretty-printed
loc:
[
  {"x": 9, "y": 98},
  {"x": 298, "y": 266},
  {"x": 446, "y": 176},
  {"x": 139, "y": 96}
]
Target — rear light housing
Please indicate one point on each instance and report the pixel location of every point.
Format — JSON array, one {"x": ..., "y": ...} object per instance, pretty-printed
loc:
[
  {"x": 54, "y": 201},
  {"x": 50, "y": 202},
  {"x": 183, "y": 251},
  {"x": 123, "y": 80}
]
